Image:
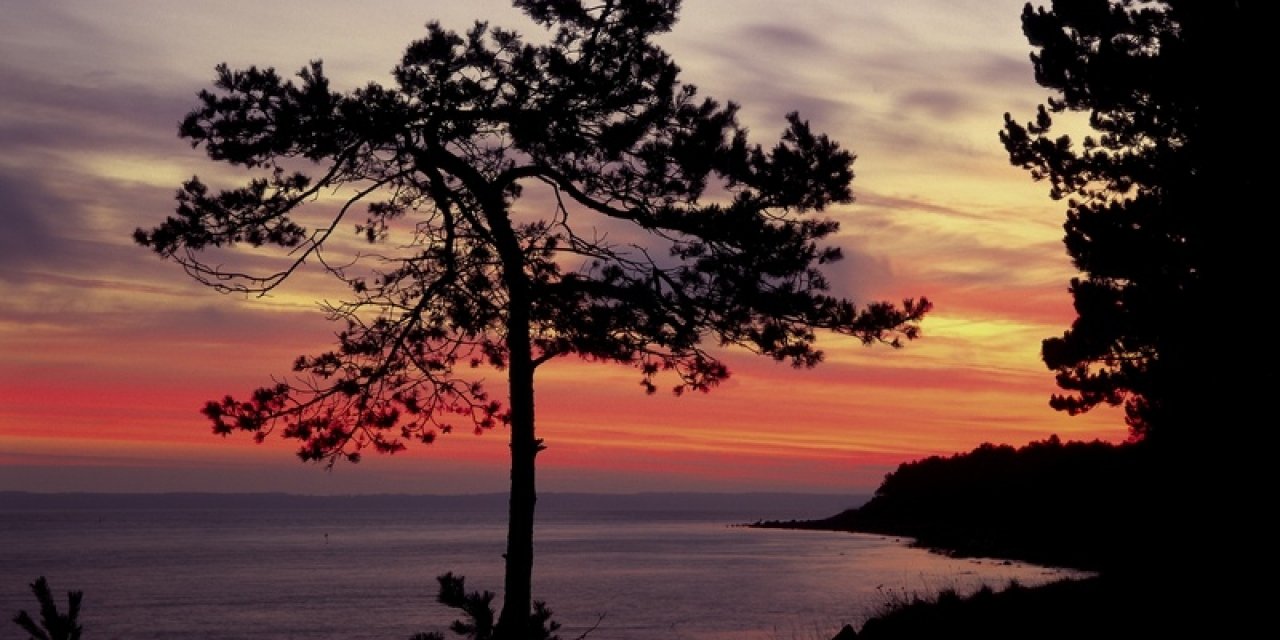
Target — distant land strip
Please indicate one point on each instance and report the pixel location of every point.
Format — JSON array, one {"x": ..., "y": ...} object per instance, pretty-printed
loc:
[{"x": 766, "y": 504}]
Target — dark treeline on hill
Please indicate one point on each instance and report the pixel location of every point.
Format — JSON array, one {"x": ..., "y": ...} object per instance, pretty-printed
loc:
[{"x": 1076, "y": 504}]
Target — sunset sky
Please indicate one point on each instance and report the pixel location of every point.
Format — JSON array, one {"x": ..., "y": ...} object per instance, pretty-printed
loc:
[{"x": 107, "y": 352}]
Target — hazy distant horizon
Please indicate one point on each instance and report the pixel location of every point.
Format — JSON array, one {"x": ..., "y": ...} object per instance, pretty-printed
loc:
[
  {"x": 279, "y": 472},
  {"x": 753, "y": 505},
  {"x": 412, "y": 494}
]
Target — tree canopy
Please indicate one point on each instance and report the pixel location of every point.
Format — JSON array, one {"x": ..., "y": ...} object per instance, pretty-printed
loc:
[
  {"x": 1160, "y": 83},
  {"x": 719, "y": 241}
]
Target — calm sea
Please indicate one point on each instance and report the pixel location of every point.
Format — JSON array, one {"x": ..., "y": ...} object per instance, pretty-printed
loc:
[{"x": 279, "y": 571}]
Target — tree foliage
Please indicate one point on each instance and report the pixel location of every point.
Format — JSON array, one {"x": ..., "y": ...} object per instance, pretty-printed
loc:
[
  {"x": 597, "y": 116},
  {"x": 1158, "y": 81},
  {"x": 654, "y": 233},
  {"x": 52, "y": 625},
  {"x": 476, "y": 608}
]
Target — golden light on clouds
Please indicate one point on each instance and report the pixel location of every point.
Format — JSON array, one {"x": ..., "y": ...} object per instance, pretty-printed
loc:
[{"x": 108, "y": 352}]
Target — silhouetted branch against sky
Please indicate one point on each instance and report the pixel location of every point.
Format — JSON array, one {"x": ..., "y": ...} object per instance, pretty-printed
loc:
[
  {"x": 453, "y": 280},
  {"x": 914, "y": 89}
]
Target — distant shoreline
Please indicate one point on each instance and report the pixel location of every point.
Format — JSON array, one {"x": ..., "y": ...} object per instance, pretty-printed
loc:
[
  {"x": 767, "y": 504},
  {"x": 827, "y": 524}
]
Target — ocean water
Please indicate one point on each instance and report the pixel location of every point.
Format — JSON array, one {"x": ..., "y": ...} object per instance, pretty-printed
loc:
[{"x": 231, "y": 573}]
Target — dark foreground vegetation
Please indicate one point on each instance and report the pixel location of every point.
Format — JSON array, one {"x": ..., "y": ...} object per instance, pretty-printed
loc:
[
  {"x": 51, "y": 625},
  {"x": 1102, "y": 607}
]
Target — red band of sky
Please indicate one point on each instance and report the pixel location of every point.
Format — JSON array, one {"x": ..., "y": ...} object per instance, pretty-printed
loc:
[{"x": 106, "y": 353}]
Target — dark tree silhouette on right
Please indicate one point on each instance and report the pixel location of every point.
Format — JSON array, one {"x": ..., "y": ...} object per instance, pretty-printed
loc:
[
  {"x": 1147, "y": 198},
  {"x": 1164, "y": 203}
]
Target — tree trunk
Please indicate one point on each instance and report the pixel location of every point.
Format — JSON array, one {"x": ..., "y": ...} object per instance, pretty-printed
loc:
[
  {"x": 518, "y": 595},
  {"x": 517, "y": 604}
]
